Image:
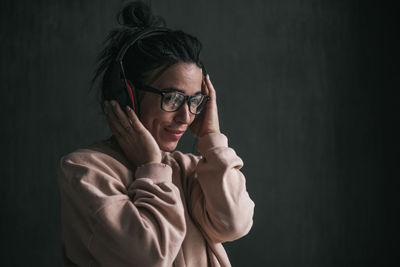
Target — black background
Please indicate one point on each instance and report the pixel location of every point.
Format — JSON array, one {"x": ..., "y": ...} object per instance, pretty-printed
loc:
[{"x": 304, "y": 96}]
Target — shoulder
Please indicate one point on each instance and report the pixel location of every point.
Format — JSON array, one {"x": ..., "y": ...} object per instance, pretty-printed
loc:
[
  {"x": 90, "y": 177},
  {"x": 85, "y": 158},
  {"x": 99, "y": 159}
]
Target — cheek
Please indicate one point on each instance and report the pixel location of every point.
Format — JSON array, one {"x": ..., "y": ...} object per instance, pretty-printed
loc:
[
  {"x": 152, "y": 117},
  {"x": 155, "y": 123}
]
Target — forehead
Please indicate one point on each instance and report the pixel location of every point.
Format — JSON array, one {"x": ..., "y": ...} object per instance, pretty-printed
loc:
[{"x": 187, "y": 77}]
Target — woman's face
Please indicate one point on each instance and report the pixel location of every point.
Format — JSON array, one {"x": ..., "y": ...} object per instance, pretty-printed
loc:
[{"x": 168, "y": 127}]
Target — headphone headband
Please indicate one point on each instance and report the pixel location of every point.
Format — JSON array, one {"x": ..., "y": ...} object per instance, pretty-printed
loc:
[{"x": 151, "y": 31}]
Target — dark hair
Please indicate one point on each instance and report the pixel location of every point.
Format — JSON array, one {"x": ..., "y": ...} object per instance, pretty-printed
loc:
[{"x": 148, "y": 53}]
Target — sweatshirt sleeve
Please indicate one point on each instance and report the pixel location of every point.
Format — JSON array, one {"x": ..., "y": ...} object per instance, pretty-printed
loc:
[
  {"x": 218, "y": 197},
  {"x": 138, "y": 224}
]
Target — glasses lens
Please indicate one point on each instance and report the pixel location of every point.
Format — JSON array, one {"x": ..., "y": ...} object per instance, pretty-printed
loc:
[
  {"x": 197, "y": 103},
  {"x": 172, "y": 101}
]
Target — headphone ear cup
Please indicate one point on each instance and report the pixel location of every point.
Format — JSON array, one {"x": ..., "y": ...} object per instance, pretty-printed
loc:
[{"x": 113, "y": 88}]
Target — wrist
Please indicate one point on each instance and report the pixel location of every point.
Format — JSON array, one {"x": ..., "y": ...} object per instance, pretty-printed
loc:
[
  {"x": 210, "y": 141},
  {"x": 154, "y": 161},
  {"x": 209, "y": 132},
  {"x": 158, "y": 172}
]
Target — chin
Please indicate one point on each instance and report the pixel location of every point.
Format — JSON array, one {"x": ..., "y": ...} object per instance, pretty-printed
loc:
[{"x": 167, "y": 146}]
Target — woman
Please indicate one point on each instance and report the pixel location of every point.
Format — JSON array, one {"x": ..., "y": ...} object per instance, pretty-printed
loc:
[{"x": 129, "y": 200}]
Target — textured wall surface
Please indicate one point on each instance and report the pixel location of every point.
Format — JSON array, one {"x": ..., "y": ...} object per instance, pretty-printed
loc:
[{"x": 300, "y": 88}]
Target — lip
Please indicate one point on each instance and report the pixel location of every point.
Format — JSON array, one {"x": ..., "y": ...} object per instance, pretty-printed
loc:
[{"x": 174, "y": 134}]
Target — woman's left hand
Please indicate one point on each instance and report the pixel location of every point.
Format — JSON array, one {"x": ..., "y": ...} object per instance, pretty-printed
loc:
[{"x": 207, "y": 122}]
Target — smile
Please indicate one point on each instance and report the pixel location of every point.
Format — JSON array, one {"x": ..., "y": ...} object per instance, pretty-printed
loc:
[{"x": 174, "y": 134}]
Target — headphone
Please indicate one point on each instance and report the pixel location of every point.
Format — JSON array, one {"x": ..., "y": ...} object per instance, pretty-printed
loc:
[{"x": 118, "y": 86}]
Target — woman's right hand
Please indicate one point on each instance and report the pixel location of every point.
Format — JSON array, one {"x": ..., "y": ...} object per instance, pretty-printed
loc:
[{"x": 134, "y": 139}]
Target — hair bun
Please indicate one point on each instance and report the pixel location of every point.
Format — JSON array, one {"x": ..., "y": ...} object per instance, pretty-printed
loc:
[{"x": 139, "y": 15}]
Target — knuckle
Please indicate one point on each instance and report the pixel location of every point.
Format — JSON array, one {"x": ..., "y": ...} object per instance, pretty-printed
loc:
[{"x": 128, "y": 128}]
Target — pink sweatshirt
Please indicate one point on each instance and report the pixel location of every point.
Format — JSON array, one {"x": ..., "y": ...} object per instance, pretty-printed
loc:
[{"x": 174, "y": 213}]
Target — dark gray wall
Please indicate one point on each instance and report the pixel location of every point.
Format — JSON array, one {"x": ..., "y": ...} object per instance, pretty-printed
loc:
[{"x": 300, "y": 87}]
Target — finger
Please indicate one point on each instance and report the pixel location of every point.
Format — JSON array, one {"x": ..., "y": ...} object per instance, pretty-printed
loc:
[
  {"x": 122, "y": 118},
  {"x": 113, "y": 129},
  {"x": 210, "y": 87},
  {"x": 134, "y": 120},
  {"x": 204, "y": 88},
  {"x": 110, "y": 115},
  {"x": 112, "y": 120}
]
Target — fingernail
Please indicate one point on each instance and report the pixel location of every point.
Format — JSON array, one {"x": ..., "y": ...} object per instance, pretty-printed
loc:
[
  {"x": 208, "y": 76},
  {"x": 113, "y": 103},
  {"x": 128, "y": 108}
]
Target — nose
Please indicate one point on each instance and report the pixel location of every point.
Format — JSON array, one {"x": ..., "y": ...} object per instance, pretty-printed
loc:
[{"x": 183, "y": 114}]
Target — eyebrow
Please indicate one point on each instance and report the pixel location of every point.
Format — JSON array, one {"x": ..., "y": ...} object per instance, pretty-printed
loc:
[{"x": 172, "y": 89}]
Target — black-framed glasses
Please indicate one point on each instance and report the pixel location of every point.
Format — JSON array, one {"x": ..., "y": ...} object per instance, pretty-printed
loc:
[{"x": 172, "y": 99}]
